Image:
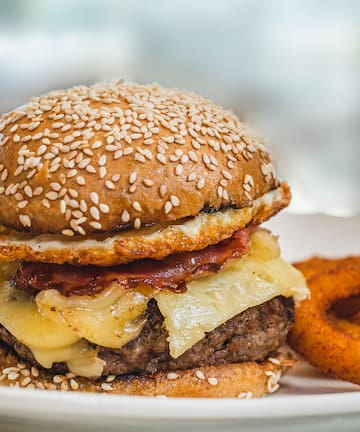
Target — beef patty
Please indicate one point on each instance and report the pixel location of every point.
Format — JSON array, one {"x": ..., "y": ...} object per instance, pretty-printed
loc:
[{"x": 252, "y": 335}]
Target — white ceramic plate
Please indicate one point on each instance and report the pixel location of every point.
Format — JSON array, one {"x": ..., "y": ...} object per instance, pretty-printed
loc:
[{"x": 306, "y": 401}]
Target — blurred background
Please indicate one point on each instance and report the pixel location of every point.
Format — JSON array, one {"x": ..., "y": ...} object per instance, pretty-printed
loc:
[{"x": 289, "y": 68}]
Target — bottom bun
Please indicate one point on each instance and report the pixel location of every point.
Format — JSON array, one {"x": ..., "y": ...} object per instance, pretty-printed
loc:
[{"x": 243, "y": 380}]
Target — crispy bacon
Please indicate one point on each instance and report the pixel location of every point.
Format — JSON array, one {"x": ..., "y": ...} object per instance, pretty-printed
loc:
[{"x": 171, "y": 273}]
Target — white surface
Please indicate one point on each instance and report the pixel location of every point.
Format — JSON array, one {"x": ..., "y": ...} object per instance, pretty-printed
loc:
[{"x": 305, "y": 402}]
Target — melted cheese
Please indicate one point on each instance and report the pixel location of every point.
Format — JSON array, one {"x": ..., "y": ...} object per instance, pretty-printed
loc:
[
  {"x": 58, "y": 328},
  {"x": 212, "y": 300},
  {"x": 111, "y": 318},
  {"x": 80, "y": 357}
]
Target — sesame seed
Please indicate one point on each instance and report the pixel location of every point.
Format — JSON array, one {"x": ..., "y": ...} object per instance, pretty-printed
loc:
[
  {"x": 102, "y": 172},
  {"x": 179, "y": 169},
  {"x": 174, "y": 200},
  {"x": 12, "y": 376},
  {"x": 213, "y": 381},
  {"x": 161, "y": 158},
  {"x": 46, "y": 203},
  {"x": 80, "y": 180},
  {"x": 106, "y": 387},
  {"x": 148, "y": 182},
  {"x": 136, "y": 206},
  {"x": 28, "y": 191},
  {"x": 4, "y": 175},
  {"x": 245, "y": 395},
  {"x": 96, "y": 225},
  {"x": 34, "y": 372},
  {"x": 125, "y": 216},
  {"x": 200, "y": 374},
  {"x": 91, "y": 169},
  {"x": 23, "y": 204},
  {"x": 168, "y": 207},
  {"x": 57, "y": 379},
  {"x": 52, "y": 195},
  {"x": 95, "y": 213},
  {"x": 118, "y": 154},
  {"x": 102, "y": 160},
  {"x": 201, "y": 183},
  {"x": 27, "y": 380},
  {"x": 163, "y": 190},
  {"x": 94, "y": 197},
  {"x": 62, "y": 207},
  {"x": 226, "y": 174},
  {"x": 274, "y": 360},
  {"x": 72, "y": 173},
  {"x": 56, "y": 186},
  {"x": 104, "y": 208},
  {"x": 132, "y": 177},
  {"x": 110, "y": 185},
  {"x": 140, "y": 158},
  {"x": 137, "y": 223},
  {"x": 74, "y": 384},
  {"x": 37, "y": 136},
  {"x": 110, "y": 378},
  {"x": 172, "y": 375},
  {"x": 25, "y": 220}
]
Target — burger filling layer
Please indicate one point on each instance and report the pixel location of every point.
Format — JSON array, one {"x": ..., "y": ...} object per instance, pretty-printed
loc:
[{"x": 63, "y": 327}]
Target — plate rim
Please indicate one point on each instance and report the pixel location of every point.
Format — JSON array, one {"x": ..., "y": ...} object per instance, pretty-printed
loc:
[{"x": 15, "y": 402}]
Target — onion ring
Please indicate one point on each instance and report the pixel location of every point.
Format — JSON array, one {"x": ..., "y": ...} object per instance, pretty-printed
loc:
[{"x": 328, "y": 343}]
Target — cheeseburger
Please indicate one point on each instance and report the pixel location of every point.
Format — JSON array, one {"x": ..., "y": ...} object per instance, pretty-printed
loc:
[{"x": 132, "y": 258}]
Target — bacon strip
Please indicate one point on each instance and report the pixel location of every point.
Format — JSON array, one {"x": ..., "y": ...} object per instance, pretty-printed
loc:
[{"x": 171, "y": 273}]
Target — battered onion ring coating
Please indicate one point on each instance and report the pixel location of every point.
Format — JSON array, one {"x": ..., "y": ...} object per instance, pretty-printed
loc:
[{"x": 315, "y": 335}]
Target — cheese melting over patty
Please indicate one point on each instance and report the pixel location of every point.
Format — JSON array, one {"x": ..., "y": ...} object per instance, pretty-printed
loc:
[{"x": 60, "y": 329}]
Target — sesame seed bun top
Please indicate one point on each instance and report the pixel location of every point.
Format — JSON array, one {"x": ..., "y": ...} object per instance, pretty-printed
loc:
[{"x": 115, "y": 155}]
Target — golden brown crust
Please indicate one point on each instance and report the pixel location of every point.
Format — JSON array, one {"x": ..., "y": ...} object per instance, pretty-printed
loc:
[
  {"x": 154, "y": 243},
  {"x": 245, "y": 380},
  {"x": 115, "y": 155}
]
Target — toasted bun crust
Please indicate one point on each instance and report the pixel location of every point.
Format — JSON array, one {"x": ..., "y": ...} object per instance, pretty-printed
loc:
[
  {"x": 155, "y": 242},
  {"x": 245, "y": 380},
  {"x": 114, "y": 156}
]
